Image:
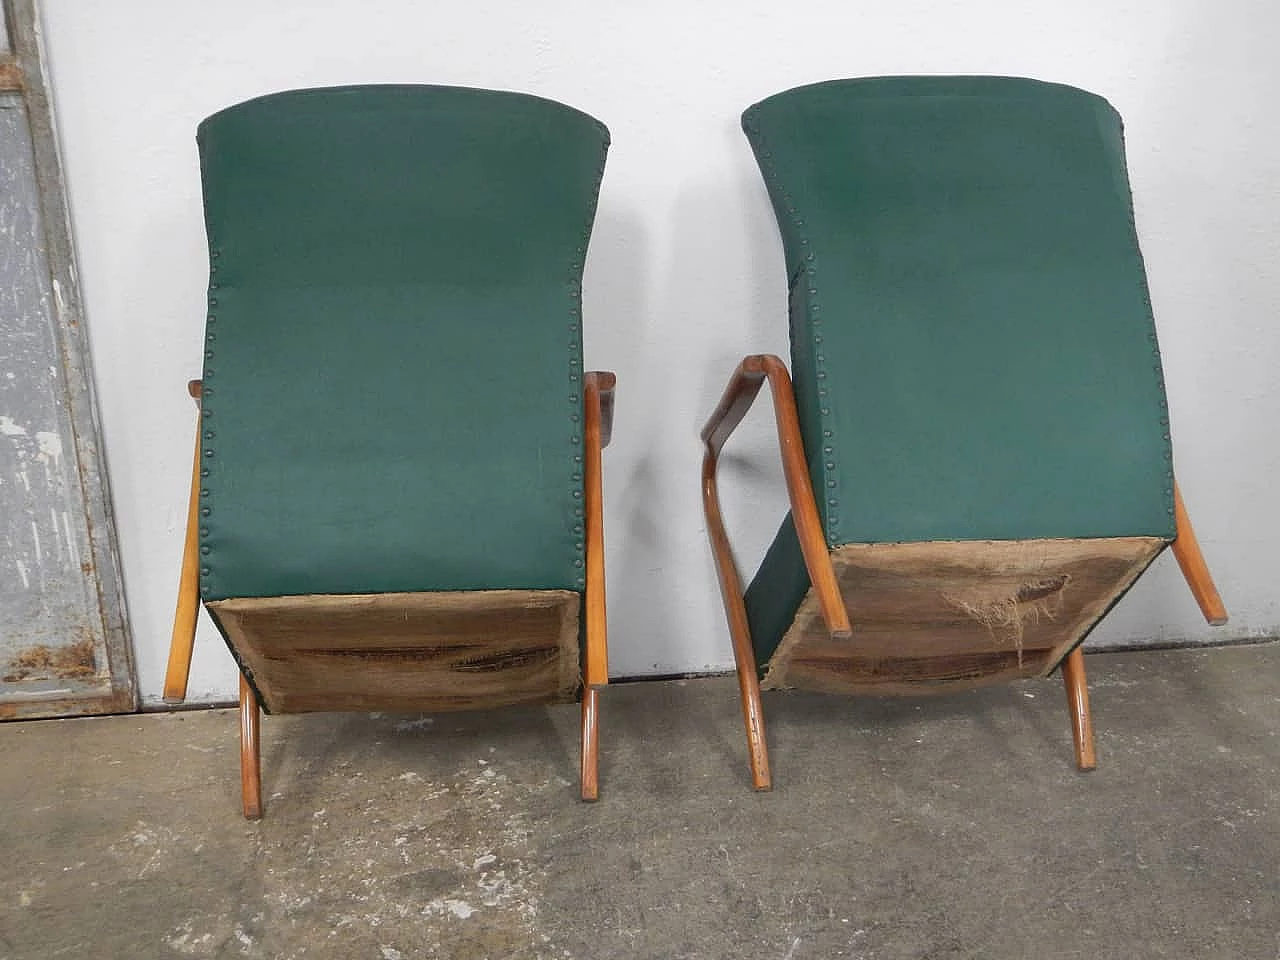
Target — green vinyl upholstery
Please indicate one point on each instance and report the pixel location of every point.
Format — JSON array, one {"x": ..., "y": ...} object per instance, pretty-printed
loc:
[
  {"x": 973, "y": 349},
  {"x": 393, "y": 374}
]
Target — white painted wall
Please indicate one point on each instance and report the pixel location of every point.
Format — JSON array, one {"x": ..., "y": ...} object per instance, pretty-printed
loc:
[{"x": 685, "y": 272}]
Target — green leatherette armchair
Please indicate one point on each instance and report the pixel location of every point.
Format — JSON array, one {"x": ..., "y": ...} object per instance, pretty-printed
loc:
[
  {"x": 397, "y": 494},
  {"x": 976, "y": 443}
]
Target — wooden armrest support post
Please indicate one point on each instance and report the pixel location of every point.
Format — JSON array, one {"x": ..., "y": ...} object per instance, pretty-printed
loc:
[
  {"x": 597, "y": 396},
  {"x": 184, "y": 619}
]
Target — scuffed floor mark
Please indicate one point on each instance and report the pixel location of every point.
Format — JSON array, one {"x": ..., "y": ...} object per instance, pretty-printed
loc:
[
  {"x": 421, "y": 723},
  {"x": 146, "y": 848},
  {"x": 459, "y": 908},
  {"x": 185, "y": 940},
  {"x": 215, "y": 936}
]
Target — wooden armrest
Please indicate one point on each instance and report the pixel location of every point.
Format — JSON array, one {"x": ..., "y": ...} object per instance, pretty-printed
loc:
[
  {"x": 739, "y": 394},
  {"x": 605, "y": 382},
  {"x": 743, "y": 388}
]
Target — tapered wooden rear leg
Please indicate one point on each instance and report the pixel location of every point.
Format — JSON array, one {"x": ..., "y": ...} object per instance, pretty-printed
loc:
[
  {"x": 590, "y": 744},
  {"x": 250, "y": 752},
  {"x": 1186, "y": 548},
  {"x": 184, "y": 619},
  {"x": 1073, "y": 676}
]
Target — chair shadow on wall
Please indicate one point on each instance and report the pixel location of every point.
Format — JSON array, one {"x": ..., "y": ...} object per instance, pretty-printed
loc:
[{"x": 1208, "y": 376}]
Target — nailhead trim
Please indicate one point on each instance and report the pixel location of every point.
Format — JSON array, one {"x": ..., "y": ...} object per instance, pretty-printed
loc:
[
  {"x": 575, "y": 393},
  {"x": 1154, "y": 340},
  {"x": 207, "y": 392},
  {"x": 808, "y": 272}
]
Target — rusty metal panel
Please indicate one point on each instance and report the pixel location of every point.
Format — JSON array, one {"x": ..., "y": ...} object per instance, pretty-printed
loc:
[
  {"x": 10, "y": 74},
  {"x": 51, "y": 634},
  {"x": 63, "y": 640}
]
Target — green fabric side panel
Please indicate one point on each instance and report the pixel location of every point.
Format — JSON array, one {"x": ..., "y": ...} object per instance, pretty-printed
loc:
[
  {"x": 775, "y": 593},
  {"x": 973, "y": 346},
  {"x": 393, "y": 371}
]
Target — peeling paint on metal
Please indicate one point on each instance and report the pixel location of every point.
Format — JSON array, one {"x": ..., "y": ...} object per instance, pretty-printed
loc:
[{"x": 48, "y": 602}]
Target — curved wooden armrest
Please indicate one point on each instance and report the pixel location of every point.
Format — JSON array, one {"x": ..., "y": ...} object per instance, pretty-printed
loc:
[
  {"x": 741, "y": 392},
  {"x": 605, "y": 382},
  {"x": 196, "y": 389}
]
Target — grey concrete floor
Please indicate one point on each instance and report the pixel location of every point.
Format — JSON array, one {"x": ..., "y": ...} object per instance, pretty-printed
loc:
[{"x": 939, "y": 828}]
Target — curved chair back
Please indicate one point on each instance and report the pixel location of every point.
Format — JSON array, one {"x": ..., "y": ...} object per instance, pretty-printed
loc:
[
  {"x": 393, "y": 375},
  {"x": 973, "y": 348}
]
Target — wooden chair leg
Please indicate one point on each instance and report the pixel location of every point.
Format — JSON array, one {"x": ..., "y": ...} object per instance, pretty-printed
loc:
[
  {"x": 598, "y": 391},
  {"x": 738, "y": 396},
  {"x": 1073, "y": 676},
  {"x": 753, "y": 719},
  {"x": 1186, "y": 548},
  {"x": 250, "y": 753},
  {"x": 590, "y": 744},
  {"x": 736, "y": 612}
]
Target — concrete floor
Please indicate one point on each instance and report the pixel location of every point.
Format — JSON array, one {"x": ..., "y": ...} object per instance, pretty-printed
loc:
[{"x": 946, "y": 827}]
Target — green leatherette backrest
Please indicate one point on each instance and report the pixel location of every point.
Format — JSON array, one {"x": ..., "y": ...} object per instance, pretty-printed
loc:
[
  {"x": 393, "y": 375},
  {"x": 973, "y": 348}
]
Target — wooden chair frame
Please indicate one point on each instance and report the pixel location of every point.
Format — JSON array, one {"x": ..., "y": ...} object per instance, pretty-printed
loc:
[
  {"x": 744, "y": 385},
  {"x": 598, "y": 400}
]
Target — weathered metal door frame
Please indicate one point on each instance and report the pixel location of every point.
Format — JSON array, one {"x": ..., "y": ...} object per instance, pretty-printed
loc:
[{"x": 23, "y": 71}]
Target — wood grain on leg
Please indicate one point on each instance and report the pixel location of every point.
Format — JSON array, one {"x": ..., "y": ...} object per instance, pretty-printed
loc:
[
  {"x": 1186, "y": 548},
  {"x": 590, "y": 744},
  {"x": 250, "y": 752},
  {"x": 1073, "y": 676}
]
